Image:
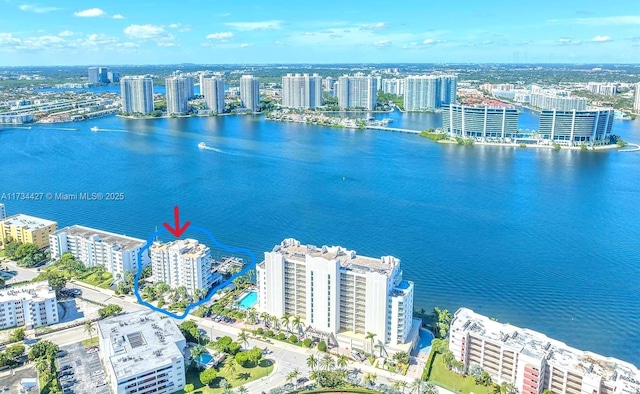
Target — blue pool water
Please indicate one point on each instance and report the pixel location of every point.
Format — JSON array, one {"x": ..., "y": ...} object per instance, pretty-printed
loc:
[
  {"x": 248, "y": 300},
  {"x": 204, "y": 359},
  {"x": 424, "y": 342}
]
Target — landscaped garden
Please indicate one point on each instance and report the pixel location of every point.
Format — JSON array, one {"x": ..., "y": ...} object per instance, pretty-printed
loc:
[{"x": 227, "y": 377}]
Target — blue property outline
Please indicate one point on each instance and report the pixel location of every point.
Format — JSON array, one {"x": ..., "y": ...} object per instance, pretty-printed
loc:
[{"x": 225, "y": 283}]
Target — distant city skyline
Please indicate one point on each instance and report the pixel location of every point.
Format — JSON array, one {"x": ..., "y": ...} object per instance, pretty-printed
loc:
[{"x": 169, "y": 32}]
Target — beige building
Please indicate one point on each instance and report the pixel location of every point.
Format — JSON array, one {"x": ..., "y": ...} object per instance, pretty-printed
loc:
[
  {"x": 533, "y": 362},
  {"x": 27, "y": 229}
]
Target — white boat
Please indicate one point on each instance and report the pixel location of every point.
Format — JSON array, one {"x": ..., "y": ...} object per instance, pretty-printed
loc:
[
  {"x": 202, "y": 145},
  {"x": 95, "y": 128}
]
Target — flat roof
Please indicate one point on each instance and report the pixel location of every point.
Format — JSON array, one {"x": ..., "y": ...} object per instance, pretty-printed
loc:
[
  {"x": 30, "y": 222},
  {"x": 38, "y": 291},
  {"x": 185, "y": 247},
  {"x": 112, "y": 239},
  {"x": 140, "y": 340},
  {"x": 349, "y": 259}
]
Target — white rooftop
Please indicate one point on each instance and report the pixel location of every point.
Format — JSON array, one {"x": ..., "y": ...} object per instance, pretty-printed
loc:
[
  {"x": 38, "y": 291},
  {"x": 115, "y": 240},
  {"x": 140, "y": 340},
  {"x": 30, "y": 222}
]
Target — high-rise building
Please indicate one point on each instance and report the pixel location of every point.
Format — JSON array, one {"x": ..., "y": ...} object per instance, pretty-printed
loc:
[
  {"x": 27, "y": 229},
  {"x": 142, "y": 353},
  {"x": 212, "y": 88},
  {"x": 3, "y": 212},
  {"x": 573, "y": 128},
  {"x": 636, "y": 102},
  {"x": 137, "y": 94},
  {"x": 103, "y": 74},
  {"x": 448, "y": 89},
  {"x": 113, "y": 77},
  {"x": 489, "y": 124},
  {"x": 533, "y": 362},
  {"x": 393, "y": 86},
  {"x": 94, "y": 75},
  {"x": 301, "y": 91},
  {"x": 428, "y": 92},
  {"x": 116, "y": 253},
  {"x": 191, "y": 90},
  {"x": 327, "y": 84},
  {"x": 357, "y": 91},
  {"x": 250, "y": 92},
  {"x": 605, "y": 89},
  {"x": 30, "y": 306},
  {"x": 184, "y": 262},
  {"x": 342, "y": 296},
  {"x": 560, "y": 100},
  {"x": 178, "y": 91}
]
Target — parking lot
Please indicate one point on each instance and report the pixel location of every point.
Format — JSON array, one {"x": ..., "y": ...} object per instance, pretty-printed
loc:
[{"x": 84, "y": 371}]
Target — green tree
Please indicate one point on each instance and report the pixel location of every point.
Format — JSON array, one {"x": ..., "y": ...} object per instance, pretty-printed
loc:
[
  {"x": 56, "y": 281},
  {"x": 89, "y": 328},
  {"x": 430, "y": 388},
  {"x": 18, "y": 334},
  {"x": 208, "y": 376},
  {"x": 230, "y": 367},
  {"x": 189, "y": 388},
  {"x": 293, "y": 375},
  {"x": 14, "y": 351},
  {"x": 312, "y": 362},
  {"x": 416, "y": 386},
  {"x": 370, "y": 378},
  {"x": 285, "y": 319},
  {"x": 342, "y": 361},
  {"x": 43, "y": 349},
  {"x": 4, "y": 360},
  {"x": 296, "y": 323},
  {"x": 402, "y": 357},
  {"x": 322, "y": 346},
  {"x": 190, "y": 330},
  {"x": 243, "y": 338},
  {"x": 327, "y": 362},
  {"x": 109, "y": 310},
  {"x": 370, "y": 335}
]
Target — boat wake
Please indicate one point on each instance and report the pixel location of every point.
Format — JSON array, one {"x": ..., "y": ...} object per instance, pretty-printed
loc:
[{"x": 204, "y": 146}]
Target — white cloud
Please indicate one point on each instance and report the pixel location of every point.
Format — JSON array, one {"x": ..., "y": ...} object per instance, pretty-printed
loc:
[
  {"x": 150, "y": 32},
  {"x": 429, "y": 41},
  {"x": 251, "y": 26},
  {"x": 375, "y": 26},
  {"x": 174, "y": 25},
  {"x": 382, "y": 43},
  {"x": 66, "y": 33},
  {"x": 118, "y": 16},
  {"x": 567, "y": 41},
  {"x": 244, "y": 45},
  {"x": 222, "y": 36},
  {"x": 181, "y": 28},
  {"x": 37, "y": 9},
  {"x": 90, "y": 13},
  {"x": 602, "y": 21},
  {"x": 601, "y": 39}
]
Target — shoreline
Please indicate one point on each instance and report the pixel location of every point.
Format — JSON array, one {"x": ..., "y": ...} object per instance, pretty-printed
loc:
[{"x": 539, "y": 146}]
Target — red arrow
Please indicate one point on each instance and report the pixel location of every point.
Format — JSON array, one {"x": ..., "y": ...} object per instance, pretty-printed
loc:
[{"x": 178, "y": 230}]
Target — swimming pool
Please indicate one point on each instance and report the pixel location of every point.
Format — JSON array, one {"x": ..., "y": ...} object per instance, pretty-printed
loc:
[
  {"x": 424, "y": 342},
  {"x": 248, "y": 300},
  {"x": 204, "y": 359}
]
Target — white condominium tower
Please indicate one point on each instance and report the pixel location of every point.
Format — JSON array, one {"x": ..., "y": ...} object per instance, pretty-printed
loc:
[
  {"x": 394, "y": 86},
  {"x": 358, "y": 91},
  {"x": 340, "y": 295},
  {"x": 30, "y": 306},
  {"x": 137, "y": 94},
  {"x": 116, "y": 253},
  {"x": 213, "y": 90},
  {"x": 636, "y": 102},
  {"x": 178, "y": 91},
  {"x": 427, "y": 92},
  {"x": 301, "y": 91},
  {"x": 184, "y": 262},
  {"x": 534, "y": 362},
  {"x": 573, "y": 128},
  {"x": 488, "y": 124},
  {"x": 250, "y": 92}
]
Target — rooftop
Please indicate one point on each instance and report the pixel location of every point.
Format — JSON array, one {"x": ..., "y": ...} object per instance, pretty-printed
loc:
[
  {"x": 185, "y": 247},
  {"x": 537, "y": 345},
  {"x": 115, "y": 240},
  {"x": 30, "y": 222},
  {"x": 38, "y": 291},
  {"x": 349, "y": 259},
  {"x": 140, "y": 340}
]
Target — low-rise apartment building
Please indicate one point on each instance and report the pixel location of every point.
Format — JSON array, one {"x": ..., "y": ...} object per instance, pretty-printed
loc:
[
  {"x": 30, "y": 306},
  {"x": 27, "y": 230}
]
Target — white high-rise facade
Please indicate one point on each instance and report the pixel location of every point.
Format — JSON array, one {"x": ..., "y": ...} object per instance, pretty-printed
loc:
[
  {"x": 137, "y": 94},
  {"x": 358, "y": 91},
  {"x": 116, "y": 253},
  {"x": 339, "y": 294},
  {"x": 178, "y": 94},
  {"x": 301, "y": 91},
  {"x": 393, "y": 86},
  {"x": 30, "y": 306},
  {"x": 636, "y": 102},
  {"x": 250, "y": 92},
  {"x": 184, "y": 262},
  {"x": 428, "y": 92},
  {"x": 212, "y": 89}
]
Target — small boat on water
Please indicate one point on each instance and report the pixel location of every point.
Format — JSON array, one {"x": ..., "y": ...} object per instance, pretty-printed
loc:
[
  {"x": 202, "y": 145},
  {"x": 95, "y": 128}
]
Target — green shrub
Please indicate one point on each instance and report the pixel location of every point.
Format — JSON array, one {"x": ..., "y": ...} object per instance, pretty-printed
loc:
[
  {"x": 269, "y": 334},
  {"x": 307, "y": 342},
  {"x": 260, "y": 331},
  {"x": 322, "y": 346},
  {"x": 281, "y": 337},
  {"x": 293, "y": 339}
]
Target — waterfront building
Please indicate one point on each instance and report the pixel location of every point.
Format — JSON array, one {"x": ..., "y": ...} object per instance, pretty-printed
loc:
[
  {"x": 3, "y": 212},
  {"x": 137, "y": 94},
  {"x": 27, "y": 230},
  {"x": 301, "y": 91},
  {"x": 103, "y": 73},
  {"x": 30, "y": 306},
  {"x": 184, "y": 262},
  {"x": 142, "y": 352},
  {"x": 429, "y": 92},
  {"x": 605, "y": 89},
  {"x": 534, "y": 362},
  {"x": 448, "y": 89},
  {"x": 116, "y": 253},
  {"x": 486, "y": 124},
  {"x": 113, "y": 77},
  {"x": 340, "y": 295},
  {"x": 16, "y": 117},
  {"x": 636, "y": 102},
  {"x": 560, "y": 100},
  {"x": 250, "y": 92},
  {"x": 191, "y": 86},
  {"x": 212, "y": 88},
  {"x": 178, "y": 91},
  {"x": 393, "y": 86},
  {"x": 94, "y": 75},
  {"x": 591, "y": 127},
  {"x": 358, "y": 91}
]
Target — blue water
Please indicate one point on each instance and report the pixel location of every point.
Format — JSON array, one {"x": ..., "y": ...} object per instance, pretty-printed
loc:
[
  {"x": 248, "y": 300},
  {"x": 424, "y": 342},
  {"x": 204, "y": 359},
  {"x": 540, "y": 239}
]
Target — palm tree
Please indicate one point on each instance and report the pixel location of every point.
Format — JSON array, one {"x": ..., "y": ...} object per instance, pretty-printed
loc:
[
  {"x": 342, "y": 361},
  {"x": 243, "y": 338},
  {"x": 297, "y": 323},
  {"x": 231, "y": 366},
  {"x": 285, "y": 320},
  {"x": 275, "y": 321},
  {"x": 312, "y": 362},
  {"x": 252, "y": 316},
  {"x": 370, "y": 378},
  {"x": 327, "y": 362},
  {"x": 89, "y": 327},
  {"x": 293, "y": 376},
  {"x": 430, "y": 388},
  {"x": 383, "y": 349},
  {"x": 370, "y": 335},
  {"x": 266, "y": 318},
  {"x": 416, "y": 386},
  {"x": 396, "y": 385},
  {"x": 196, "y": 351},
  {"x": 242, "y": 390}
]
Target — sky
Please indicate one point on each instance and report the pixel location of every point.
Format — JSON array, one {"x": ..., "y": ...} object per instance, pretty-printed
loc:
[{"x": 71, "y": 32}]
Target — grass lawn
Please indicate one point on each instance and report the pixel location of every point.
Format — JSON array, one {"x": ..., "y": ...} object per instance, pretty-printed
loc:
[
  {"x": 442, "y": 375},
  {"x": 240, "y": 377},
  {"x": 104, "y": 280},
  {"x": 90, "y": 342}
]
